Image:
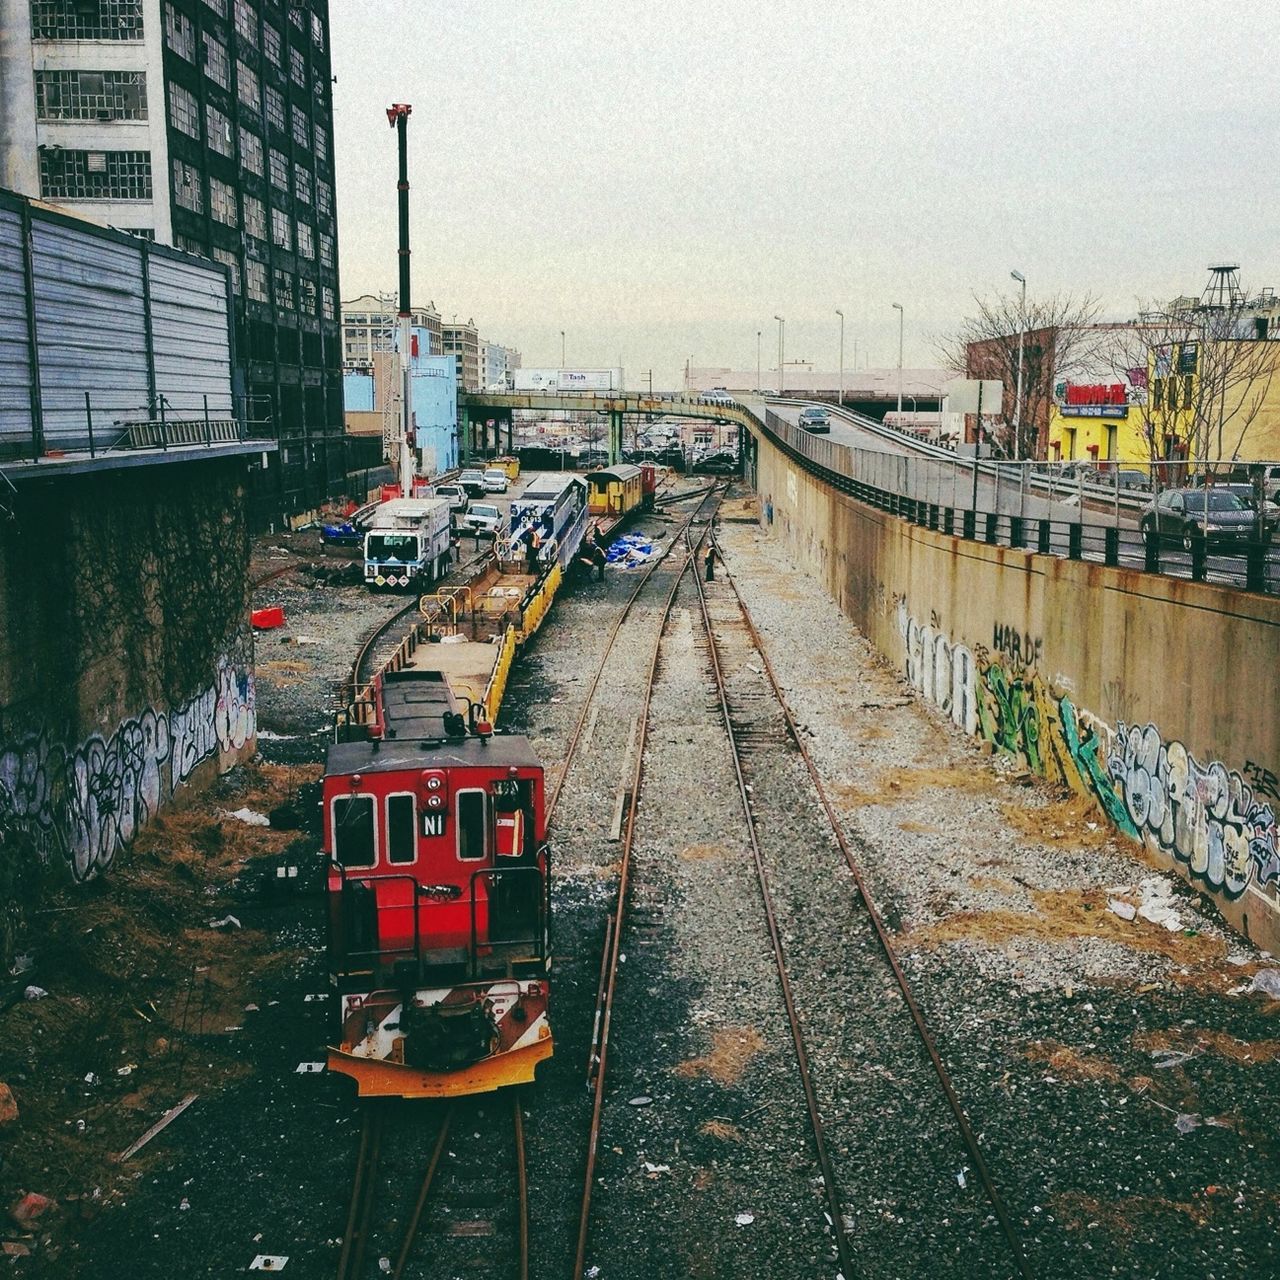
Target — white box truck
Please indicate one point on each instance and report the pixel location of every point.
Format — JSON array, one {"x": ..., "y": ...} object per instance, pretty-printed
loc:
[
  {"x": 557, "y": 380},
  {"x": 407, "y": 543}
]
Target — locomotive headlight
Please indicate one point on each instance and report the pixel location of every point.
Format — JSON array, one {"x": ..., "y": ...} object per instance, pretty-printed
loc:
[
  {"x": 433, "y": 784},
  {"x": 435, "y": 801}
]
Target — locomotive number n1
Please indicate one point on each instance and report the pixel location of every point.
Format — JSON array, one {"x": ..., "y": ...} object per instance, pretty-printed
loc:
[{"x": 433, "y": 824}]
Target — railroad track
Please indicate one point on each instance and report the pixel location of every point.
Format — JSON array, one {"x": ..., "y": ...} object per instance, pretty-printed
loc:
[
  {"x": 598, "y": 1059},
  {"x": 758, "y": 720},
  {"x": 464, "y": 1216}
]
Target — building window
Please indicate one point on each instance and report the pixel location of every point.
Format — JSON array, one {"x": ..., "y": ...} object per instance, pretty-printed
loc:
[
  {"x": 95, "y": 175},
  {"x": 179, "y": 33},
  {"x": 326, "y": 250},
  {"x": 217, "y": 65},
  {"x": 279, "y": 169},
  {"x": 187, "y": 190},
  {"x": 247, "y": 85},
  {"x": 255, "y": 216},
  {"x": 141, "y": 233},
  {"x": 184, "y": 114},
  {"x": 222, "y": 201},
  {"x": 86, "y": 19},
  {"x": 1187, "y": 384},
  {"x": 302, "y": 183},
  {"x": 317, "y": 31},
  {"x": 295, "y": 16},
  {"x": 255, "y": 280},
  {"x": 306, "y": 296},
  {"x": 298, "y": 68},
  {"x": 229, "y": 259},
  {"x": 275, "y": 108},
  {"x": 250, "y": 151},
  {"x": 284, "y": 289},
  {"x": 218, "y": 6},
  {"x": 324, "y": 197},
  {"x": 217, "y": 130},
  {"x": 301, "y": 129},
  {"x": 91, "y": 95},
  {"x": 326, "y": 303},
  {"x": 271, "y": 43},
  {"x": 190, "y": 244},
  {"x": 246, "y": 23},
  {"x": 306, "y": 242},
  {"x": 281, "y": 229}
]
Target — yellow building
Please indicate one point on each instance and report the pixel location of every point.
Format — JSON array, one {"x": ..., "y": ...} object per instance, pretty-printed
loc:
[{"x": 1203, "y": 401}]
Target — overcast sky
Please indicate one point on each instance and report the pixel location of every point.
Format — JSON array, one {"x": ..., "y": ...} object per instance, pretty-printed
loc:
[{"x": 659, "y": 178}]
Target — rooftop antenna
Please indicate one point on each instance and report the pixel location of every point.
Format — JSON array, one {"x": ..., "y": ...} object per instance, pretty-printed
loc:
[{"x": 398, "y": 118}]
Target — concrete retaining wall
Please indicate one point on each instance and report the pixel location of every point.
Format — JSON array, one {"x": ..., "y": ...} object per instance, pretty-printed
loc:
[
  {"x": 126, "y": 665},
  {"x": 1156, "y": 697}
]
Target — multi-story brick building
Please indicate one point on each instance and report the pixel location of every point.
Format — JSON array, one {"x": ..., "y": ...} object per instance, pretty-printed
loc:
[{"x": 208, "y": 125}]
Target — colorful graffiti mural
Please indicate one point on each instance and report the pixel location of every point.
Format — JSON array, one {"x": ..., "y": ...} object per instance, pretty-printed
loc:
[
  {"x": 86, "y": 803},
  {"x": 1205, "y": 815}
]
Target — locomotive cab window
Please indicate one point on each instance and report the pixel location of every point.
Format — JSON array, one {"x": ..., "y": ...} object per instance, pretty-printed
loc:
[
  {"x": 472, "y": 826},
  {"x": 402, "y": 836},
  {"x": 353, "y": 841}
]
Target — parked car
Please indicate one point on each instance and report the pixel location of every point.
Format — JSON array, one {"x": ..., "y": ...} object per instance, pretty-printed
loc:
[
  {"x": 495, "y": 480},
  {"x": 716, "y": 464},
  {"x": 482, "y": 517},
  {"x": 473, "y": 482},
  {"x": 1270, "y": 510},
  {"x": 1133, "y": 480},
  {"x": 815, "y": 420},
  {"x": 1200, "y": 517},
  {"x": 455, "y": 495}
]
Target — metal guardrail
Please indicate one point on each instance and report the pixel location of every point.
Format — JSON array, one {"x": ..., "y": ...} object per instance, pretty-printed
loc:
[{"x": 962, "y": 497}]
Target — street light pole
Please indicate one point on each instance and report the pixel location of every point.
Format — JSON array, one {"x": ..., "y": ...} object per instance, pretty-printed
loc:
[
  {"x": 562, "y": 358},
  {"x": 759, "y": 383},
  {"x": 840, "y": 401},
  {"x": 897, "y": 306},
  {"x": 781, "y": 351},
  {"x": 1017, "y": 399}
]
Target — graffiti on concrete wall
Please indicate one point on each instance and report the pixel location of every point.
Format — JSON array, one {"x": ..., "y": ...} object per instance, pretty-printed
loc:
[
  {"x": 1220, "y": 826},
  {"x": 87, "y": 802}
]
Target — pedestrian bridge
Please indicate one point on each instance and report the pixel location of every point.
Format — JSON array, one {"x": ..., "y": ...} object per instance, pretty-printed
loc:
[{"x": 480, "y": 412}]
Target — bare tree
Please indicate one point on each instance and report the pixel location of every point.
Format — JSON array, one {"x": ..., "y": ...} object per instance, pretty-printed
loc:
[
  {"x": 1198, "y": 377},
  {"x": 1057, "y": 339}
]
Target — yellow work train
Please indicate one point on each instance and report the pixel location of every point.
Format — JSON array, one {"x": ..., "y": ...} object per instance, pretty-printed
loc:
[{"x": 618, "y": 491}]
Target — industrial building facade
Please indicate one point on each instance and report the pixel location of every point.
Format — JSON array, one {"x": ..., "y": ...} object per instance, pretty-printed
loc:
[{"x": 208, "y": 125}]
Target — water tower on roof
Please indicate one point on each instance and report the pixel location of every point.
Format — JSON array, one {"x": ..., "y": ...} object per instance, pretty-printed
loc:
[{"x": 1223, "y": 291}]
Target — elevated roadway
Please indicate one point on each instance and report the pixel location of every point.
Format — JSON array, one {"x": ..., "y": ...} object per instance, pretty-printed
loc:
[{"x": 478, "y": 409}]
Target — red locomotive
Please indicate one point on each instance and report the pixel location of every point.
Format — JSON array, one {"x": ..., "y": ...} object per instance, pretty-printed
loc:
[{"x": 439, "y": 896}]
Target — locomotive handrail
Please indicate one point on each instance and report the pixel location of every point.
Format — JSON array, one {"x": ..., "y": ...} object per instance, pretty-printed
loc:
[
  {"x": 364, "y": 878},
  {"x": 535, "y": 939}
]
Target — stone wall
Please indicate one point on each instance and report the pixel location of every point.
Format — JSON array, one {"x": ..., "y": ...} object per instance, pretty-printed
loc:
[
  {"x": 126, "y": 664},
  {"x": 1154, "y": 696}
]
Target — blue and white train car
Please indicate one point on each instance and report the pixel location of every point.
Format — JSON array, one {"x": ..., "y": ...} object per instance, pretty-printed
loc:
[{"x": 554, "y": 506}]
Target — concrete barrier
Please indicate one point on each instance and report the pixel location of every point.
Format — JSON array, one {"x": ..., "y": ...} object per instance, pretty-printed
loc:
[{"x": 1154, "y": 696}]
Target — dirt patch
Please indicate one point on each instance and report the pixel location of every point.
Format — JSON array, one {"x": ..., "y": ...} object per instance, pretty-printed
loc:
[
  {"x": 920, "y": 828},
  {"x": 1080, "y": 1212},
  {"x": 703, "y": 852},
  {"x": 894, "y": 784},
  {"x": 146, "y": 999},
  {"x": 731, "y": 1049},
  {"x": 1193, "y": 1040},
  {"x": 1070, "y": 1064},
  {"x": 1071, "y": 824},
  {"x": 1067, "y": 914},
  {"x": 283, "y": 673},
  {"x": 717, "y": 1128}
]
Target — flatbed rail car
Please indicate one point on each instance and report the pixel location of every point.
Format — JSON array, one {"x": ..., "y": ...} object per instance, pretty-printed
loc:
[{"x": 438, "y": 896}]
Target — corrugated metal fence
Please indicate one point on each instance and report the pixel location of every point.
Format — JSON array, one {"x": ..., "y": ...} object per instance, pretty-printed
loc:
[{"x": 143, "y": 331}]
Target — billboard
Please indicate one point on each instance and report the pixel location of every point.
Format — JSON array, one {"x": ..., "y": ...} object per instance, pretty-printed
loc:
[{"x": 558, "y": 380}]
